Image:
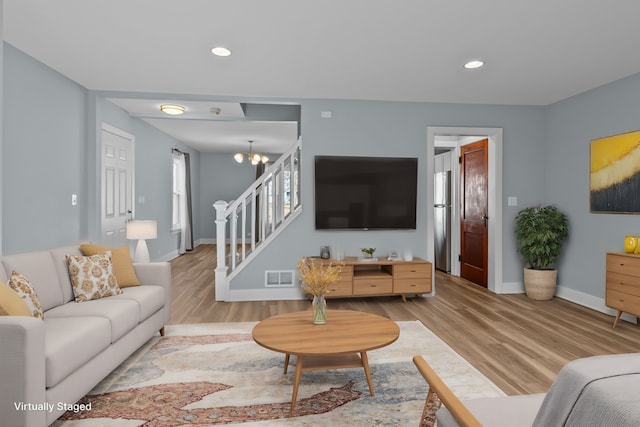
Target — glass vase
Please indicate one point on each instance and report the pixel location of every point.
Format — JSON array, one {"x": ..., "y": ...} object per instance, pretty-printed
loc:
[{"x": 319, "y": 310}]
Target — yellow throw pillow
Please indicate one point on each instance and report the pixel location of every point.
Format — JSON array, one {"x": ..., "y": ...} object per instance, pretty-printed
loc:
[
  {"x": 21, "y": 285},
  {"x": 11, "y": 304},
  {"x": 92, "y": 277},
  {"x": 122, "y": 264}
]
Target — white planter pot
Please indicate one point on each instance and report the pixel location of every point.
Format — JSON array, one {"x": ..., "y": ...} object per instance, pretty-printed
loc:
[{"x": 540, "y": 284}]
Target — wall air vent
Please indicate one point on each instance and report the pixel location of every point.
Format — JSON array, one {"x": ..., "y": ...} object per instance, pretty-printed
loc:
[{"x": 279, "y": 278}]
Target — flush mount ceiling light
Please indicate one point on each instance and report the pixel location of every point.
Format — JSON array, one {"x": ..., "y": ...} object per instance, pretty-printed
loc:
[
  {"x": 220, "y": 51},
  {"x": 172, "y": 109},
  {"x": 254, "y": 158},
  {"x": 476, "y": 63}
]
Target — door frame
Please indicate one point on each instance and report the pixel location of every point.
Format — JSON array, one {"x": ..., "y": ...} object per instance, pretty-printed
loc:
[{"x": 494, "y": 275}]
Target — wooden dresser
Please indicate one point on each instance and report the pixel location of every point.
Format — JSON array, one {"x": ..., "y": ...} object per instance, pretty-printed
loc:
[
  {"x": 382, "y": 277},
  {"x": 623, "y": 283}
]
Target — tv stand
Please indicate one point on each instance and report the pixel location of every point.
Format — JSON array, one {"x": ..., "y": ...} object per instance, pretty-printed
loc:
[{"x": 382, "y": 278}]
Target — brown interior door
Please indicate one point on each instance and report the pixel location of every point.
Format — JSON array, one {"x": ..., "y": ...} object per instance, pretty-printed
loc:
[{"x": 474, "y": 210}]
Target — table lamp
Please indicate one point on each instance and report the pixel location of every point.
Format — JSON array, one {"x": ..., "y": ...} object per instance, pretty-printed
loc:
[{"x": 140, "y": 231}]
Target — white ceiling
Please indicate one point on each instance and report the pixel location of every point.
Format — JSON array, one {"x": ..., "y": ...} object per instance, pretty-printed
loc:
[
  {"x": 213, "y": 126},
  {"x": 536, "y": 52}
]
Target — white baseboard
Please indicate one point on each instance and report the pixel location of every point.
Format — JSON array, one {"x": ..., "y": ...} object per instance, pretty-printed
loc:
[
  {"x": 168, "y": 257},
  {"x": 175, "y": 254},
  {"x": 580, "y": 298},
  {"x": 512, "y": 288},
  {"x": 590, "y": 301}
]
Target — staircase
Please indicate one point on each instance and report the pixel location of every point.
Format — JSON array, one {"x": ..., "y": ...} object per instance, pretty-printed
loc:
[{"x": 246, "y": 225}]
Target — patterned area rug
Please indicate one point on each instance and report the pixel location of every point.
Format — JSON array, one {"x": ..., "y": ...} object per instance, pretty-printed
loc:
[{"x": 214, "y": 374}]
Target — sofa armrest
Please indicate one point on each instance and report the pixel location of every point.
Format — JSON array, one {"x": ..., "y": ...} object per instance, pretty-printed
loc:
[
  {"x": 22, "y": 371},
  {"x": 462, "y": 415},
  {"x": 158, "y": 274}
]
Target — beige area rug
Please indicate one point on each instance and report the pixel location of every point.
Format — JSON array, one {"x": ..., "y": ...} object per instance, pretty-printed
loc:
[{"x": 214, "y": 374}]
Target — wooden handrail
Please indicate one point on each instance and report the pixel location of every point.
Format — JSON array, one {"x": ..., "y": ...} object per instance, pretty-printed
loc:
[{"x": 462, "y": 415}]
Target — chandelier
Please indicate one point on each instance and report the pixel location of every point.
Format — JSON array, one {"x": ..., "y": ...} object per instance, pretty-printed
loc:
[{"x": 254, "y": 158}]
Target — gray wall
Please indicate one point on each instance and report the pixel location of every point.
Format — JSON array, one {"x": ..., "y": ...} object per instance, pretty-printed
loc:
[
  {"x": 50, "y": 151},
  {"x": 43, "y": 155},
  {"x": 1, "y": 112},
  {"x": 51, "y": 128},
  {"x": 221, "y": 178},
  {"x": 571, "y": 125},
  {"x": 400, "y": 129}
]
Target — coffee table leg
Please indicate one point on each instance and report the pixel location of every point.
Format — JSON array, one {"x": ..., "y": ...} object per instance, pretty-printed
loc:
[
  {"x": 296, "y": 382},
  {"x": 286, "y": 362},
  {"x": 367, "y": 373}
]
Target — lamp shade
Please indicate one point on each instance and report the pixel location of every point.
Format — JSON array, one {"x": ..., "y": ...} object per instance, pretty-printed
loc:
[{"x": 137, "y": 230}]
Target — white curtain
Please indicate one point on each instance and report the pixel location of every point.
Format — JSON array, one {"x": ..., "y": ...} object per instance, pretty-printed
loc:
[{"x": 182, "y": 205}]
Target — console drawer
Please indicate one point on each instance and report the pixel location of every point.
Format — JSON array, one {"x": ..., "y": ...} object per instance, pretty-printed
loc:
[
  {"x": 372, "y": 286},
  {"x": 411, "y": 271},
  {"x": 411, "y": 286},
  {"x": 340, "y": 289}
]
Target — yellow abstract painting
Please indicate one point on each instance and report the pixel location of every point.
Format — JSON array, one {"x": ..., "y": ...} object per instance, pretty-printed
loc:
[{"x": 615, "y": 173}]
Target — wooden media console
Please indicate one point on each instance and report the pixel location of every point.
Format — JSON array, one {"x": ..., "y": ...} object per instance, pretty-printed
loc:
[{"x": 382, "y": 277}]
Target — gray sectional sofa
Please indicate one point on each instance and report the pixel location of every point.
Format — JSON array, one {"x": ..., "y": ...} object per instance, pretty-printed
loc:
[{"x": 45, "y": 365}]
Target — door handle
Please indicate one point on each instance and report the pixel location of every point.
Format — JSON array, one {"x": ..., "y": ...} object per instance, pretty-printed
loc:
[{"x": 485, "y": 217}]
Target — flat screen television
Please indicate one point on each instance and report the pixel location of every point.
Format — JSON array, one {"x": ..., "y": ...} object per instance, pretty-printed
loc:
[{"x": 365, "y": 193}]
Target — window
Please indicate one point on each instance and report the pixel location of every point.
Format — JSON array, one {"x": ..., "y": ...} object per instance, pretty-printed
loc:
[{"x": 177, "y": 221}]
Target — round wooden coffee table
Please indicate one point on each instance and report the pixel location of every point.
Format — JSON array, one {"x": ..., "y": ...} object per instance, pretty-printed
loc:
[{"x": 342, "y": 342}]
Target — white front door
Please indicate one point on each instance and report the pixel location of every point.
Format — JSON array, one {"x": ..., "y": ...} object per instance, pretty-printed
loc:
[{"x": 117, "y": 185}]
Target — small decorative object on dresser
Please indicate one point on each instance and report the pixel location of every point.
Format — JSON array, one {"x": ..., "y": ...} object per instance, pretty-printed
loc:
[
  {"x": 623, "y": 284},
  {"x": 631, "y": 244},
  {"x": 367, "y": 255},
  {"x": 325, "y": 253}
]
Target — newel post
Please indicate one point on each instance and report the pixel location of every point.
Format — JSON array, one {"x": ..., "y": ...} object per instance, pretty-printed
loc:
[{"x": 222, "y": 287}]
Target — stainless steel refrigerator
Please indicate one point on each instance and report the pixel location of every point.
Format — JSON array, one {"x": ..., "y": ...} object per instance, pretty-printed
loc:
[{"x": 442, "y": 220}]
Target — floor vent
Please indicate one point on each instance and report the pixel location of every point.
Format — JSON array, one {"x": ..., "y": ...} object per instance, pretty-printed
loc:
[{"x": 279, "y": 278}]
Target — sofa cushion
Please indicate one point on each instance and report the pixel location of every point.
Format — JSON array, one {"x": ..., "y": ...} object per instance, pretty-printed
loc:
[
  {"x": 12, "y": 304},
  {"x": 92, "y": 277},
  {"x": 122, "y": 314},
  {"x": 41, "y": 271},
  {"x": 59, "y": 256},
  {"x": 507, "y": 411},
  {"x": 21, "y": 285},
  {"x": 149, "y": 299},
  {"x": 72, "y": 342},
  {"x": 122, "y": 263}
]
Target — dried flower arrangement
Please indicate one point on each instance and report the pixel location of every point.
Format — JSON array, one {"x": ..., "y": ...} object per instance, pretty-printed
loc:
[{"x": 316, "y": 277}]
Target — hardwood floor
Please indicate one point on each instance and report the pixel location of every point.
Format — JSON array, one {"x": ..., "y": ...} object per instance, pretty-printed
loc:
[{"x": 518, "y": 343}]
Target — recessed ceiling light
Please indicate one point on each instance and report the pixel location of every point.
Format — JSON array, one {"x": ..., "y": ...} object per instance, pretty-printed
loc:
[
  {"x": 221, "y": 51},
  {"x": 476, "y": 63},
  {"x": 174, "y": 110}
]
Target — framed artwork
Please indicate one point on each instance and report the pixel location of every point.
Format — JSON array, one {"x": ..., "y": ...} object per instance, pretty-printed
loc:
[{"x": 614, "y": 183}]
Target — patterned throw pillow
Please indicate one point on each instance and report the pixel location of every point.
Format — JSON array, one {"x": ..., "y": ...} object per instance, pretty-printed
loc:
[
  {"x": 23, "y": 287},
  {"x": 92, "y": 276},
  {"x": 122, "y": 264}
]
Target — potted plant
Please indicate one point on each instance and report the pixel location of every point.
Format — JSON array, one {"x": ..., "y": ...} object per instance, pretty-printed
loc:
[
  {"x": 540, "y": 233},
  {"x": 367, "y": 252}
]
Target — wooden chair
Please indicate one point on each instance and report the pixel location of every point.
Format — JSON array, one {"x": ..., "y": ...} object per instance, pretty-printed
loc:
[{"x": 460, "y": 412}]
